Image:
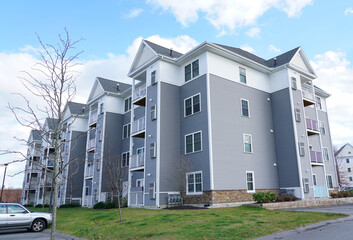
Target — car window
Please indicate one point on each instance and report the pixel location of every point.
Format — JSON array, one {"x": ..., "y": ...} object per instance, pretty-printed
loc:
[
  {"x": 2, "y": 209},
  {"x": 15, "y": 209}
]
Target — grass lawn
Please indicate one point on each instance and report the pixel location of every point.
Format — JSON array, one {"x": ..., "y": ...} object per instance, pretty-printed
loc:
[{"x": 226, "y": 223}]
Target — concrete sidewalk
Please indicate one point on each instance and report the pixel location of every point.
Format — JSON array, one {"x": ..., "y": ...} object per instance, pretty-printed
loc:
[{"x": 24, "y": 234}]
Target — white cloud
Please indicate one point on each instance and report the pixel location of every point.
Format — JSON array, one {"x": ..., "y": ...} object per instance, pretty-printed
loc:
[
  {"x": 335, "y": 76},
  {"x": 133, "y": 13},
  {"x": 348, "y": 11},
  {"x": 114, "y": 66},
  {"x": 227, "y": 14},
  {"x": 272, "y": 48},
  {"x": 246, "y": 47},
  {"x": 253, "y": 32}
]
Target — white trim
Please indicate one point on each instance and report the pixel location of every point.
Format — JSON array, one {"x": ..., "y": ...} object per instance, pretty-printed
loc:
[
  {"x": 129, "y": 133},
  {"x": 126, "y": 165},
  {"x": 192, "y": 104},
  {"x": 101, "y": 159},
  {"x": 314, "y": 182},
  {"x": 210, "y": 143},
  {"x": 246, "y": 80},
  {"x": 328, "y": 185},
  {"x": 241, "y": 107},
  {"x": 141, "y": 180},
  {"x": 251, "y": 144},
  {"x": 192, "y": 77},
  {"x": 187, "y": 183},
  {"x": 193, "y": 142},
  {"x": 158, "y": 141},
  {"x": 253, "y": 181},
  {"x": 130, "y": 104}
]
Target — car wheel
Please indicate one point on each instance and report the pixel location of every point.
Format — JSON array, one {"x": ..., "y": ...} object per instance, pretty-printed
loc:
[{"x": 38, "y": 225}]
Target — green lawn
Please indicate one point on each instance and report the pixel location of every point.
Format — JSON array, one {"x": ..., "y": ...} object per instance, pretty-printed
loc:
[{"x": 226, "y": 223}]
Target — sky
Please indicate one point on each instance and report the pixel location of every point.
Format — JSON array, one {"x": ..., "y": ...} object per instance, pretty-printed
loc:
[{"x": 113, "y": 29}]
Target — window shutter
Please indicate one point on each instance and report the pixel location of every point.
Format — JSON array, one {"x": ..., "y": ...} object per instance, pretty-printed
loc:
[
  {"x": 152, "y": 190},
  {"x": 294, "y": 83},
  {"x": 153, "y": 150}
]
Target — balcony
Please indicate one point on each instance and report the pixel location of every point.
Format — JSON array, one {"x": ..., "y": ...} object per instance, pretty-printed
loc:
[
  {"x": 91, "y": 144},
  {"x": 137, "y": 160},
  {"x": 136, "y": 196},
  {"x": 87, "y": 200},
  {"x": 35, "y": 152},
  {"x": 89, "y": 171},
  {"x": 312, "y": 126},
  {"x": 50, "y": 163},
  {"x": 308, "y": 96},
  {"x": 316, "y": 157},
  {"x": 93, "y": 116},
  {"x": 140, "y": 96},
  {"x": 320, "y": 191},
  {"x": 138, "y": 128}
]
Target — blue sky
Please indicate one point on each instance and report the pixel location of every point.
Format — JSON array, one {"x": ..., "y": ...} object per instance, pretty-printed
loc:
[{"x": 114, "y": 29}]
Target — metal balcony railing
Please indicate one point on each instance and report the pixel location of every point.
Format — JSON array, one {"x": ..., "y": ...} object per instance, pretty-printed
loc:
[
  {"x": 93, "y": 116},
  {"x": 136, "y": 196},
  {"x": 138, "y": 125},
  {"x": 89, "y": 171},
  {"x": 91, "y": 143},
  {"x": 139, "y": 92},
  {"x": 312, "y": 124},
  {"x": 316, "y": 157},
  {"x": 307, "y": 93},
  {"x": 137, "y": 160}
]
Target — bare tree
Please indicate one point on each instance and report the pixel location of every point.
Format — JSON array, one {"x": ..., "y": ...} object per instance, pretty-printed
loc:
[
  {"x": 52, "y": 81},
  {"x": 341, "y": 175},
  {"x": 180, "y": 167}
]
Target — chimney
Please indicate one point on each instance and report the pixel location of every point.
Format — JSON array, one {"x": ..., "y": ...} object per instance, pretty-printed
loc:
[
  {"x": 171, "y": 52},
  {"x": 117, "y": 87},
  {"x": 275, "y": 60}
]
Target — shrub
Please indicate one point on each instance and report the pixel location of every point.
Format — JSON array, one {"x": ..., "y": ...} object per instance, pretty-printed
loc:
[
  {"x": 264, "y": 197},
  {"x": 123, "y": 202},
  {"x": 99, "y": 205},
  {"x": 342, "y": 194},
  {"x": 286, "y": 198},
  {"x": 109, "y": 205},
  {"x": 70, "y": 205},
  {"x": 38, "y": 206},
  {"x": 29, "y": 205}
]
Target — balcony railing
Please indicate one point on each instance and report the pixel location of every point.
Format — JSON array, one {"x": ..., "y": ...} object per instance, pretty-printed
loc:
[
  {"x": 320, "y": 191},
  {"x": 139, "y": 92},
  {"x": 312, "y": 124},
  {"x": 91, "y": 143},
  {"x": 138, "y": 125},
  {"x": 316, "y": 157},
  {"x": 308, "y": 94},
  {"x": 93, "y": 116},
  {"x": 137, "y": 160},
  {"x": 89, "y": 171},
  {"x": 136, "y": 196},
  {"x": 35, "y": 152}
]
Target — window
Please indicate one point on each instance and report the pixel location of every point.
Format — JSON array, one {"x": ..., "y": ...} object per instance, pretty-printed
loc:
[
  {"x": 125, "y": 159},
  {"x": 247, "y": 140},
  {"x": 306, "y": 185},
  {"x": 318, "y": 103},
  {"x": 192, "y": 105},
  {"x": 101, "y": 108},
  {"x": 195, "y": 70},
  {"x": 15, "y": 209},
  {"x": 347, "y": 160},
  {"x": 245, "y": 108},
  {"x": 153, "y": 77},
  {"x": 242, "y": 75},
  {"x": 40, "y": 193},
  {"x": 193, "y": 142},
  {"x": 100, "y": 135},
  {"x": 2, "y": 209},
  {"x": 325, "y": 151},
  {"x": 250, "y": 181},
  {"x": 127, "y": 104},
  {"x": 194, "y": 183},
  {"x": 294, "y": 83},
  {"x": 349, "y": 152},
  {"x": 329, "y": 181},
  {"x": 314, "y": 180},
  {"x": 153, "y": 150},
  {"x": 349, "y": 169},
  {"x": 126, "y": 131},
  {"x": 152, "y": 190},
  {"x": 351, "y": 179},
  {"x": 322, "y": 128},
  {"x": 153, "y": 112},
  {"x": 297, "y": 115},
  {"x": 301, "y": 149},
  {"x": 27, "y": 177}
]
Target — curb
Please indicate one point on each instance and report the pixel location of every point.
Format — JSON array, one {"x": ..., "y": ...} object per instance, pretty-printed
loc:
[{"x": 63, "y": 236}]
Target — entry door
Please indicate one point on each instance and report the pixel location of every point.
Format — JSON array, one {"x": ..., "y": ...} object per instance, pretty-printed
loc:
[
  {"x": 3, "y": 216},
  {"x": 17, "y": 216}
]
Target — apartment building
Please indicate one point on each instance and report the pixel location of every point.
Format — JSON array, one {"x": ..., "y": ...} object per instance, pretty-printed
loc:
[
  {"x": 344, "y": 161},
  {"x": 242, "y": 124},
  {"x": 108, "y": 143}
]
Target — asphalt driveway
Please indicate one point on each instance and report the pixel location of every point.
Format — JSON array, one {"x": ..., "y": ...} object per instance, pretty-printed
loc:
[
  {"x": 24, "y": 234},
  {"x": 341, "y": 229}
]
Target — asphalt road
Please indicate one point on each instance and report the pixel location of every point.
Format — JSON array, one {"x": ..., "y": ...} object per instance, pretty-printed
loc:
[
  {"x": 26, "y": 235},
  {"x": 340, "y": 229}
]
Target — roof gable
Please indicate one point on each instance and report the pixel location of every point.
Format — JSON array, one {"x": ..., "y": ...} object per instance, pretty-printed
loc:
[
  {"x": 299, "y": 60},
  {"x": 143, "y": 55},
  {"x": 96, "y": 90},
  {"x": 343, "y": 150}
]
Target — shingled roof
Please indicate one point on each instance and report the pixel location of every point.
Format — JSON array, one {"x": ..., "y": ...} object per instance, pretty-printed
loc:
[
  {"x": 340, "y": 150},
  {"x": 52, "y": 123},
  {"x": 77, "y": 108},
  {"x": 111, "y": 85},
  {"x": 162, "y": 50},
  {"x": 36, "y": 136}
]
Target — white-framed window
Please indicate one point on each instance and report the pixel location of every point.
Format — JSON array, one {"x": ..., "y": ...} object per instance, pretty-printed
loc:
[
  {"x": 127, "y": 104},
  {"x": 101, "y": 109},
  {"x": 100, "y": 135},
  {"x": 125, "y": 159},
  {"x": 301, "y": 149},
  {"x": 347, "y": 160},
  {"x": 329, "y": 181},
  {"x": 250, "y": 181},
  {"x": 194, "y": 183},
  {"x": 193, "y": 142},
  {"x": 314, "y": 179},
  {"x": 318, "y": 103},
  {"x": 140, "y": 182},
  {"x": 297, "y": 115},
  {"x": 349, "y": 169},
  {"x": 126, "y": 130},
  {"x": 192, "y": 70},
  {"x": 294, "y": 83},
  {"x": 351, "y": 179},
  {"x": 153, "y": 112},
  {"x": 192, "y": 105},
  {"x": 322, "y": 128},
  {"x": 153, "y": 77},
  {"x": 242, "y": 75},
  {"x": 153, "y": 150},
  {"x": 325, "y": 153},
  {"x": 349, "y": 152},
  {"x": 245, "y": 107},
  {"x": 247, "y": 141}
]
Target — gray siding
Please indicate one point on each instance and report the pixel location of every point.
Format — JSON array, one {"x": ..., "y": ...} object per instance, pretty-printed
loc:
[{"x": 230, "y": 163}]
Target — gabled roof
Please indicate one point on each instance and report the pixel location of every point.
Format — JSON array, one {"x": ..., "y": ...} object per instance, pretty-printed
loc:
[
  {"x": 36, "y": 135},
  {"x": 340, "y": 150},
  {"x": 162, "y": 50},
  {"x": 52, "y": 123},
  {"x": 111, "y": 85},
  {"x": 77, "y": 108}
]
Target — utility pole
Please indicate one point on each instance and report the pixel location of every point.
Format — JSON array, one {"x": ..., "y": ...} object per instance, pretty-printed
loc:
[{"x": 3, "y": 182}]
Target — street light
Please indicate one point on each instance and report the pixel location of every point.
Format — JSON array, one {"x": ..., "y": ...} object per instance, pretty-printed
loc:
[{"x": 3, "y": 182}]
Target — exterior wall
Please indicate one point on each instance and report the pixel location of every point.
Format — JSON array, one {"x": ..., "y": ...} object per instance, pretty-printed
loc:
[
  {"x": 344, "y": 161},
  {"x": 230, "y": 163}
]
